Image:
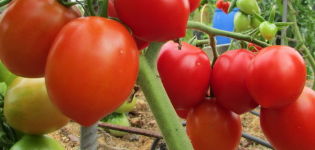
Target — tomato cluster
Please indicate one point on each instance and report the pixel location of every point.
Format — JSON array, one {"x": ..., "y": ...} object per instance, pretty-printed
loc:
[{"x": 240, "y": 80}]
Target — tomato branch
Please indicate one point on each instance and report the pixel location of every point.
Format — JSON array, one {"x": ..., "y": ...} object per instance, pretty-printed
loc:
[
  {"x": 214, "y": 49},
  {"x": 213, "y": 31},
  {"x": 165, "y": 115},
  {"x": 304, "y": 49}
]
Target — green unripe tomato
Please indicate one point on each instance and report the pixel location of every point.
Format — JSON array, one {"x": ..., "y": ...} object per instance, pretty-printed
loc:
[
  {"x": 37, "y": 142},
  {"x": 268, "y": 30},
  {"x": 248, "y": 6},
  {"x": 254, "y": 22},
  {"x": 127, "y": 106},
  {"x": 117, "y": 119},
  {"x": 241, "y": 22},
  {"x": 5, "y": 75}
]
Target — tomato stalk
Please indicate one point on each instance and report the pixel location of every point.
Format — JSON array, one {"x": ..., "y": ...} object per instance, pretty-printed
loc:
[
  {"x": 165, "y": 115},
  {"x": 103, "y": 6},
  {"x": 213, "y": 31},
  {"x": 90, "y": 5},
  {"x": 303, "y": 49},
  {"x": 214, "y": 49}
]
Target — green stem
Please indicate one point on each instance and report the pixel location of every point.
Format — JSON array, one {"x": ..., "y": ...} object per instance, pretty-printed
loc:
[
  {"x": 165, "y": 115},
  {"x": 103, "y": 6},
  {"x": 90, "y": 4},
  {"x": 4, "y": 2},
  {"x": 304, "y": 49},
  {"x": 213, "y": 48},
  {"x": 213, "y": 31}
]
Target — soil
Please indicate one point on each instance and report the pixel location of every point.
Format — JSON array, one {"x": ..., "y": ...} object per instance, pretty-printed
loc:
[{"x": 141, "y": 117}]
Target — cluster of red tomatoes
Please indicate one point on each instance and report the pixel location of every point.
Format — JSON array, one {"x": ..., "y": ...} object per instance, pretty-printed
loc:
[
  {"x": 239, "y": 81},
  {"x": 89, "y": 64}
]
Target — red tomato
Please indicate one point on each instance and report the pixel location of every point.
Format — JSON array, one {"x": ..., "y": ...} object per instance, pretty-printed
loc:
[
  {"x": 194, "y": 4},
  {"x": 223, "y": 5},
  {"x": 111, "y": 9},
  {"x": 228, "y": 81},
  {"x": 182, "y": 113},
  {"x": 212, "y": 127},
  {"x": 112, "y": 13},
  {"x": 92, "y": 68},
  {"x": 154, "y": 20},
  {"x": 254, "y": 47},
  {"x": 277, "y": 76},
  {"x": 291, "y": 127},
  {"x": 185, "y": 73},
  {"x": 27, "y": 31}
]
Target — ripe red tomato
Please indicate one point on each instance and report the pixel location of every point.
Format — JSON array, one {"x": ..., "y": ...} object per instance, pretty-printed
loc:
[
  {"x": 113, "y": 13},
  {"x": 194, "y": 4},
  {"x": 185, "y": 73},
  {"x": 27, "y": 31},
  {"x": 223, "y": 5},
  {"x": 291, "y": 127},
  {"x": 212, "y": 127},
  {"x": 92, "y": 68},
  {"x": 228, "y": 81},
  {"x": 182, "y": 113},
  {"x": 277, "y": 76},
  {"x": 154, "y": 20}
]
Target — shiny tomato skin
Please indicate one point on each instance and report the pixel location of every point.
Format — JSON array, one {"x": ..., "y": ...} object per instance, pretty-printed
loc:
[
  {"x": 92, "y": 68},
  {"x": 194, "y": 4},
  {"x": 27, "y": 107},
  {"x": 185, "y": 73},
  {"x": 27, "y": 31},
  {"x": 141, "y": 44},
  {"x": 154, "y": 20},
  {"x": 291, "y": 127},
  {"x": 212, "y": 127},
  {"x": 228, "y": 81},
  {"x": 276, "y": 76}
]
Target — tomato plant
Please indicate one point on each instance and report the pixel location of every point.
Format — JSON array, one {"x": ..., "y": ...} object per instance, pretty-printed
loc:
[
  {"x": 241, "y": 22},
  {"x": 185, "y": 73},
  {"x": 154, "y": 20},
  {"x": 27, "y": 31},
  {"x": 211, "y": 126},
  {"x": 268, "y": 30},
  {"x": 92, "y": 68},
  {"x": 37, "y": 142},
  {"x": 290, "y": 127},
  {"x": 228, "y": 81},
  {"x": 277, "y": 76},
  {"x": 248, "y": 6},
  {"x": 223, "y": 5},
  {"x": 27, "y": 107}
]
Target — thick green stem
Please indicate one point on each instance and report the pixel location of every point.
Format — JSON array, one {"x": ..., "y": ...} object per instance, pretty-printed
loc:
[
  {"x": 213, "y": 31},
  {"x": 304, "y": 49},
  {"x": 164, "y": 113},
  {"x": 103, "y": 6},
  {"x": 90, "y": 4},
  {"x": 4, "y": 2}
]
